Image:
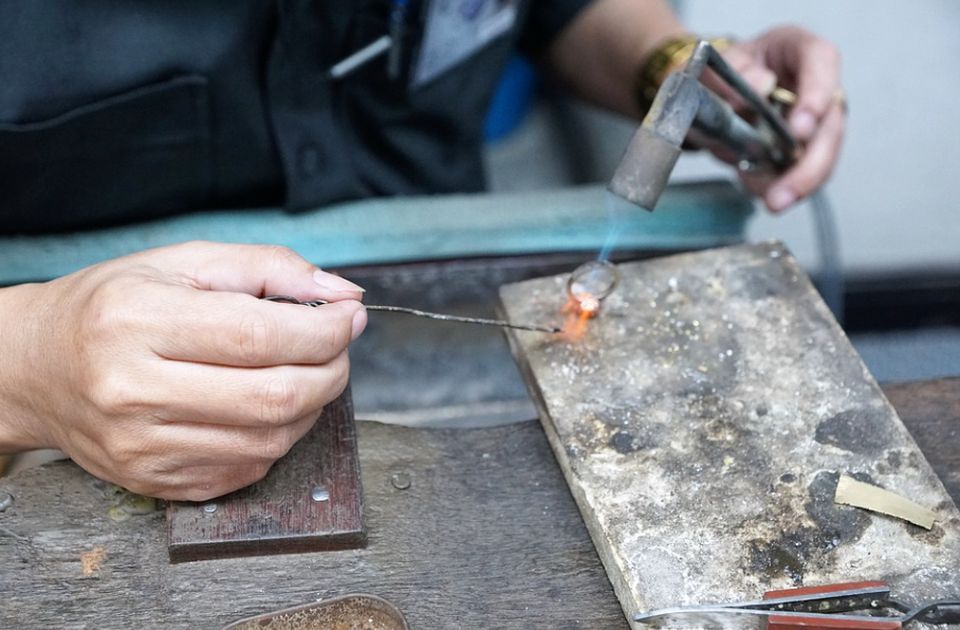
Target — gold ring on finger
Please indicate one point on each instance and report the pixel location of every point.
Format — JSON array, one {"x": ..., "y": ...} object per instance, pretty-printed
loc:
[{"x": 840, "y": 98}]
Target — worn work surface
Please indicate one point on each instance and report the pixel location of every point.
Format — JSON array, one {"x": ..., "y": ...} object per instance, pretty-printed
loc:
[
  {"x": 702, "y": 421},
  {"x": 279, "y": 514},
  {"x": 485, "y": 536}
]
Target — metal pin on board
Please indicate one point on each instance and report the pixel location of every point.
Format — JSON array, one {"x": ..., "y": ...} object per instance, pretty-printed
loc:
[
  {"x": 413, "y": 311},
  {"x": 320, "y": 494},
  {"x": 400, "y": 480}
]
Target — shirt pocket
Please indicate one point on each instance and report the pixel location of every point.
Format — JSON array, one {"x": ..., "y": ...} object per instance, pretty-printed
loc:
[
  {"x": 136, "y": 155},
  {"x": 456, "y": 31}
]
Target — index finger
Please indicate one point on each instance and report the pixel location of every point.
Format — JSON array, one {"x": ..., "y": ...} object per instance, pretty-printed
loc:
[
  {"x": 816, "y": 64},
  {"x": 240, "y": 330},
  {"x": 814, "y": 167},
  {"x": 257, "y": 270}
]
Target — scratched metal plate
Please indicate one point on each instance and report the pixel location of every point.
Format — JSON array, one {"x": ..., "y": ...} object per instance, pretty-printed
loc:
[{"x": 701, "y": 423}]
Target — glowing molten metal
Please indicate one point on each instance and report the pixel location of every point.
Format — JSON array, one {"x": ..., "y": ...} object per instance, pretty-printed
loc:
[{"x": 588, "y": 285}]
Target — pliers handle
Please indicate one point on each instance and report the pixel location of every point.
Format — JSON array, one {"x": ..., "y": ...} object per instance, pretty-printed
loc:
[
  {"x": 858, "y": 596},
  {"x": 848, "y": 606}
]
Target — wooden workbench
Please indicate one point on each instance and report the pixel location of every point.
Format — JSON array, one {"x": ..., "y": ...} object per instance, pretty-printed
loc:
[{"x": 486, "y": 536}]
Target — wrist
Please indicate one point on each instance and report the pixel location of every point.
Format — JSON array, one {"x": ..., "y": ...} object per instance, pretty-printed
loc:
[{"x": 20, "y": 427}]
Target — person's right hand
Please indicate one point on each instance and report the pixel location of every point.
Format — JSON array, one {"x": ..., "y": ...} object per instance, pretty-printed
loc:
[
  {"x": 809, "y": 66},
  {"x": 165, "y": 373}
]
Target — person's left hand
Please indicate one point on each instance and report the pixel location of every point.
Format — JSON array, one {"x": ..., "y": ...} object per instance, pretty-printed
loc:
[{"x": 809, "y": 66}]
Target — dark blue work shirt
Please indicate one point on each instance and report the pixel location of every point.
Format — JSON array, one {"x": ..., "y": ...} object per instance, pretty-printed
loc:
[{"x": 116, "y": 111}]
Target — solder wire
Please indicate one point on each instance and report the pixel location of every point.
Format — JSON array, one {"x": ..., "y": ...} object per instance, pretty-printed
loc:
[{"x": 481, "y": 321}]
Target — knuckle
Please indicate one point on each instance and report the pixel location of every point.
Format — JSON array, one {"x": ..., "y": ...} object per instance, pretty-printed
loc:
[
  {"x": 275, "y": 445},
  {"x": 339, "y": 376},
  {"x": 827, "y": 50},
  {"x": 109, "y": 306},
  {"x": 335, "y": 335},
  {"x": 126, "y": 459},
  {"x": 791, "y": 29},
  {"x": 335, "y": 378},
  {"x": 256, "y": 472},
  {"x": 113, "y": 393},
  {"x": 282, "y": 256},
  {"x": 788, "y": 32},
  {"x": 257, "y": 337},
  {"x": 823, "y": 58},
  {"x": 279, "y": 401}
]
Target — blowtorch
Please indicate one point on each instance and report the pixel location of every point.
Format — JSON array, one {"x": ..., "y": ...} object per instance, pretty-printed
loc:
[{"x": 684, "y": 107}]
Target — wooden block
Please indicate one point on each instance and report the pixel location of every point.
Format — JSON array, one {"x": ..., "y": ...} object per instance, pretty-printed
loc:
[
  {"x": 702, "y": 423},
  {"x": 279, "y": 513}
]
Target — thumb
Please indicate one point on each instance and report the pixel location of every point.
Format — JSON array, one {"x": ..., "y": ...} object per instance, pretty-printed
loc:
[{"x": 258, "y": 270}]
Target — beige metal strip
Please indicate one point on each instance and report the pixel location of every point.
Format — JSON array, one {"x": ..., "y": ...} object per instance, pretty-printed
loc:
[{"x": 870, "y": 497}]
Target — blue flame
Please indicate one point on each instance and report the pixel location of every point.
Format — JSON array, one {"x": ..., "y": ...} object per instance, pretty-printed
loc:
[{"x": 618, "y": 210}]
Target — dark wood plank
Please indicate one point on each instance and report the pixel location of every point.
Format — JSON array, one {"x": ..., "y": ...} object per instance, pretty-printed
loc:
[
  {"x": 311, "y": 500},
  {"x": 931, "y": 411},
  {"x": 485, "y": 536}
]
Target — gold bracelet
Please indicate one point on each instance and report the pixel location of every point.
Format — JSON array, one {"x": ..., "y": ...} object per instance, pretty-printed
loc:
[{"x": 668, "y": 57}]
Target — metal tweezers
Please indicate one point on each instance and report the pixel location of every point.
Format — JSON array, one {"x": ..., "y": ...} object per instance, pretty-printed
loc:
[{"x": 850, "y": 606}]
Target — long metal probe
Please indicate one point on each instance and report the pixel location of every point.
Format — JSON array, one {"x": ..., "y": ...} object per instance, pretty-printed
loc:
[{"x": 481, "y": 321}]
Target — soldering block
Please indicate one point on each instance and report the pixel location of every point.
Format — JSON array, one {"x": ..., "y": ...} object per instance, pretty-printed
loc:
[{"x": 702, "y": 422}]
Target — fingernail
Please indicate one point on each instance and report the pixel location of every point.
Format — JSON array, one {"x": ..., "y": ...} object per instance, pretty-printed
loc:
[
  {"x": 333, "y": 282},
  {"x": 803, "y": 124},
  {"x": 359, "y": 323},
  {"x": 780, "y": 199}
]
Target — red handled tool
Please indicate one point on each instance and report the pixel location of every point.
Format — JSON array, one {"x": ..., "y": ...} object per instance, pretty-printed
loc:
[{"x": 850, "y": 606}]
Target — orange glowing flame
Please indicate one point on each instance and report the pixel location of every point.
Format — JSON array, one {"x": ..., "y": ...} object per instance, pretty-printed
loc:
[{"x": 578, "y": 310}]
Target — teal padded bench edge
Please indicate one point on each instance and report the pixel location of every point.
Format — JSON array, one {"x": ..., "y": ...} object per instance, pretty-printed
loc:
[{"x": 402, "y": 229}]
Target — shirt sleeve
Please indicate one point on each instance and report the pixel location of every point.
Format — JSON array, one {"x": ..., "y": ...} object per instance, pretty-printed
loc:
[{"x": 545, "y": 20}]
